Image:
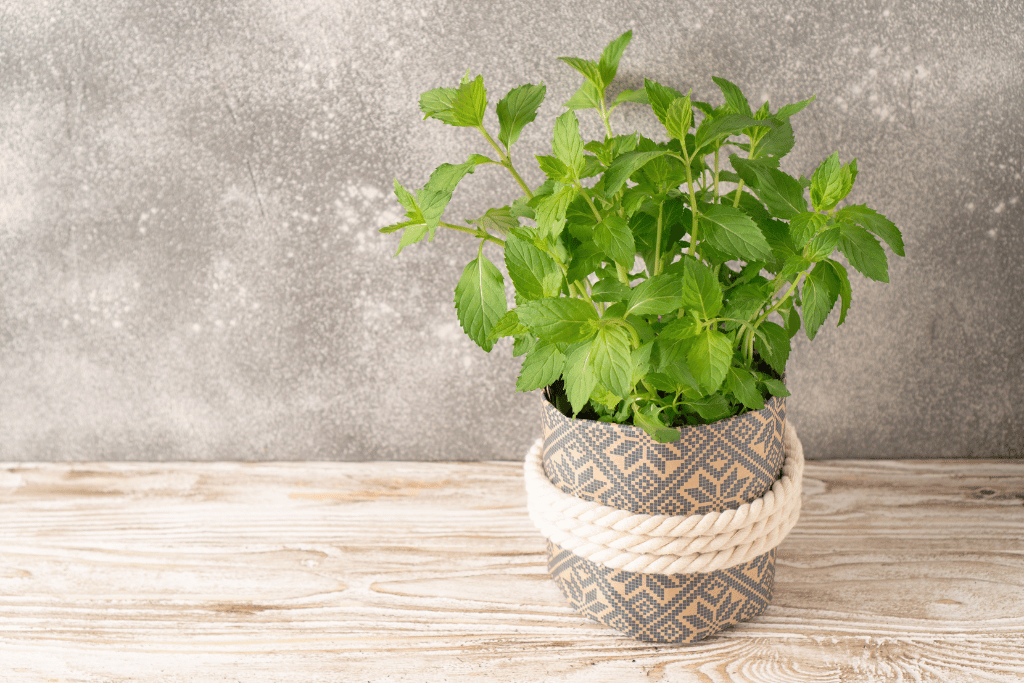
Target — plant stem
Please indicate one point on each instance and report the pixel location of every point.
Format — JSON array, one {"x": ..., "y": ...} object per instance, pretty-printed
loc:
[
  {"x": 506, "y": 161},
  {"x": 739, "y": 191},
  {"x": 716, "y": 174},
  {"x": 604, "y": 117},
  {"x": 482, "y": 234},
  {"x": 693, "y": 205},
  {"x": 778, "y": 304},
  {"x": 657, "y": 244}
]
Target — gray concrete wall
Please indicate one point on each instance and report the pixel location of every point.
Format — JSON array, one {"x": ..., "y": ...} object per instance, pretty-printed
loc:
[{"x": 189, "y": 197}]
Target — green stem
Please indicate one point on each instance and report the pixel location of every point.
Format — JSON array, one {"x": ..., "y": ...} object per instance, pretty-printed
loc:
[
  {"x": 604, "y": 117},
  {"x": 739, "y": 191},
  {"x": 778, "y": 304},
  {"x": 506, "y": 161},
  {"x": 657, "y": 245},
  {"x": 716, "y": 174},
  {"x": 693, "y": 205},
  {"x": 482, "y": 234}
]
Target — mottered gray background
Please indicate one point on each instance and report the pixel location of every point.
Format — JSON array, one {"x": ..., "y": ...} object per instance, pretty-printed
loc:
[{"x": 190, "y": 192}]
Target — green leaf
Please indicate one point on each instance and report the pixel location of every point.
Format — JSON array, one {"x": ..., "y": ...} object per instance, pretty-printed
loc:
[
  {"x": 437, "y": 104},
  {"x": 616, "y": 239},
  {"x": 744, "y": 303},
  {"x": 773, "y": 345},
  {"x": 681, "y": 328},
  {"x": 775, "y": 387},
  {"x": 848, "y": 175},
  {"x": 712, "y": 408},
  {"x": 412, "y": 235},
  {"x": 864, "y": 252},
  {"x": 608, "y": 65},
  {"x": 624, "y": 166},
  {"x": 637, "y": 96},
  {"x": 518, "y": 108},
  {"x": 579, "y": 375},
  {"x": 803, "y": 226},
  {"x": 709, "y": 358},
  {"x": 788, "y": 110},
  {"x": 660, "y": 97},
  {"x": 559, "y": 319},
  {"x": 845, "y": 291},
  {"x": 609, "y": 290},
  {"x": 827, "y": 184},
  {"x": 534, "y": 273},
  {"x": 679, "y": 118},
  {"x": 499, "y": 220},
  {"x": 822, "y": 246},
  {"x": 406, "y": 199},
  {"x": 640, "y": 359},
  {"x": 550, "y": 211},
  {"x": 658, "y": 295},
  {"x": 777, "y": 142},
  {"x": 463, "y": 106},
  {"x": 733, "y": 96},
  {"x": 818, "y": 297},
  {"x": 872, "y": 221},
  {"x": 717, "y": 128},
  {"x": 587, "y": 97},
  {"x": 588, "y": 67},
  {"x": 612, "y": 359},
  {"x": 567, "y": 144},
  {"x": 553, "y": 168},
  {"x": 480, "y": 300},
  {"x": 447, "y": 176},
  {"x": 654, "y": 427},
  {"x": 701, "y": 291},
  {"x": 508, "y": 326},
  {"x": 741, "y": 383},
  {"x": 432, "y": 204},
  {"x": 585, "y": 260},
  {"x": 782, "y": 193},
  {"x": 541, "y": 367},
  {"x": 733, "y": 232}
]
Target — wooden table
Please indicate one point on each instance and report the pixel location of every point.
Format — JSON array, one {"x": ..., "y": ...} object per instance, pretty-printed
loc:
[{"x": 433, "y": 572}]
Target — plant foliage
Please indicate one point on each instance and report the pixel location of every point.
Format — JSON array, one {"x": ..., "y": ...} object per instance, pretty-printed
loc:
[{"x": 657, "y": 282}]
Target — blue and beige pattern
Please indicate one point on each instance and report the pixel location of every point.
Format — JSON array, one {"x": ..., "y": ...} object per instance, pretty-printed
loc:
[{"x": 713, "y": 467}]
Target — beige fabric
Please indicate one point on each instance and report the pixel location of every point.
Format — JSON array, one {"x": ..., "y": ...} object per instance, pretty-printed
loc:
[{"x": 660, "y": 544}]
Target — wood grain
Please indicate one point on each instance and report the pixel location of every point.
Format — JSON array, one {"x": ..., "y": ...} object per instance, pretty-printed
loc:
[{"x": 432, "y": 572}]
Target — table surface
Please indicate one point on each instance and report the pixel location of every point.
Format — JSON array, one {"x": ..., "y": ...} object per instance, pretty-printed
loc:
[{"x": 398, "y": 571}]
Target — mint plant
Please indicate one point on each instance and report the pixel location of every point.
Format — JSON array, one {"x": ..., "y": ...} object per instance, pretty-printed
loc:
[{"x": 657, "y": 282}]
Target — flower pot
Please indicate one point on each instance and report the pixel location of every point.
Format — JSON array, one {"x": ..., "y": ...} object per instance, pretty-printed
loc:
[{"x": 712, "y": 468}]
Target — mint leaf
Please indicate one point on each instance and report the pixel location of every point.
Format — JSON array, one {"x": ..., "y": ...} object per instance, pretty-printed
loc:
[
  {"x": 772, "y": 344},
  {"x": 431, "y": 205},
  {"x": 480, "y": 300},
  {"x": 587, "y": 97},
  {"x": 648, "y": 421},
  {"x": 553, "y": 168},
  {"x": 788, "y": 110},
  {"x": 741, "y": 383},
  {"x": 709, "y": 358},
  {"x": 864, "y": 252},
  {"x": 559, "y": 319},
  {"x": 437, "y": 104},
  {"x": 845, "y": 292},
  {"x": 616, "y": 239},
  {"x": 822, "y": 246},
  {"x": 550, "y": 211},
  {"x": 717, "y": 128},
  {"x": 660, "y": 97},
  {"x": 782, "y": 193},
  {"x": 447, "y": 176},
  {"x": 541, "y": 367},
  {"x": 589, "y": 68},
  {"x": 733, "y": 96},
  {"x": 609, "y": 290},
  {"x": 733, "y": 232},
  {"x": 534, "y": 273},
  {"x": 818, "y": 297},
  {"x": 680, "y": 328},
  {"x": 775, "y": 387},
  {"x": 827, "y": 184},
  {"x": 579, "y": 375},
  {"x": 508, "y": 326},
  {"x": 608, "y": 65},
  {"x": 567, "y": 144},
  {"x": 778, "y": 141},
  {"x": 803, "y": 226},
  {"x": 658, "y": 295},
  {"x": 624, "y": 166},
  {"x": 499, "y": 220},
  {"x": 848, "y": 175},
  {"x": 470, "y": 103},
  {"x": 744, "y": 303},
  {"x": 518, "y": 108},
  {"x": 612, "y": 359},
  {"x": 406, "y": 199},
  {"x": 872, "y": 221},
  {"x": 638, "y": 96},
  {"x": 679, "y": 118},
  {"x": 412, "y": 235},
  {"x": 701, "y": 291}
]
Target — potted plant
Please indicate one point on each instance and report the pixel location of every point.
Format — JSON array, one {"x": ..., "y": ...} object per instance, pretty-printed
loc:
[{"x": 658, "y": 284}]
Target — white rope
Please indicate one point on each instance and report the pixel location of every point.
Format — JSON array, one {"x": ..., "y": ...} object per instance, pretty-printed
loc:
[{"x": 661, "y": 544}]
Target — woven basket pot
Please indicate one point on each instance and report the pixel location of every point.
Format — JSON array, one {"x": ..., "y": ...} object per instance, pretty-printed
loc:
[{"x": 711, "y": 468}]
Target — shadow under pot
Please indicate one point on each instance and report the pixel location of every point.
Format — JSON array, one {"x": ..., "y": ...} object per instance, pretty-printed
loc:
[{"x": 713, "y": 467}]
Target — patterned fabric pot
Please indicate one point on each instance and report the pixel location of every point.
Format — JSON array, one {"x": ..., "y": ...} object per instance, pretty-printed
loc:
[{"x": 711, "y": 468}]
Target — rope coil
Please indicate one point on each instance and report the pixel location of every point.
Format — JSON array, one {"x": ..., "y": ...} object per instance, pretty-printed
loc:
[{"x": 662, "y": 544}]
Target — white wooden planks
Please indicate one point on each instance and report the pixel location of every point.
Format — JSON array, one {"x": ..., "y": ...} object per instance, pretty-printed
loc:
[{"x": 433, "y": 572}]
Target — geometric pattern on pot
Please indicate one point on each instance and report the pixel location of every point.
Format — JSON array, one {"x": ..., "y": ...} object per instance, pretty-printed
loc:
[
  {"x": 681, "y": 608},
  {"x": 711, "y": 468}
]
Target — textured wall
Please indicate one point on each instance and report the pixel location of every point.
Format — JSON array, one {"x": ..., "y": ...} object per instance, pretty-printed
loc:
[{"x": 189, "y": 197}]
